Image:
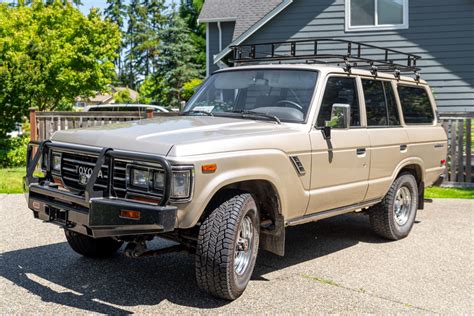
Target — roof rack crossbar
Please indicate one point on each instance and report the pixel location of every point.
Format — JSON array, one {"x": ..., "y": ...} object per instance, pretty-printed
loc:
[{"x": 392, "y": 59}]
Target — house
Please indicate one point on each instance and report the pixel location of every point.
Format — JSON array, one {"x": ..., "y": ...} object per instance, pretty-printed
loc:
[
  {"x": 441, "y": 32},
  {"x": 107, "y": 97}
]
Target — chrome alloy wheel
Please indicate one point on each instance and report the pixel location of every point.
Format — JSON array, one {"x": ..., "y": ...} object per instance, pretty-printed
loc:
[
  {"x": 402, "y": 205},
  {"x": 244, "y": 246}
]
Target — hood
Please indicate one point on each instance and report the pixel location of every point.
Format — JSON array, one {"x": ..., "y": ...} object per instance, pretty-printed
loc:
[{"x": 159, "y": 135}]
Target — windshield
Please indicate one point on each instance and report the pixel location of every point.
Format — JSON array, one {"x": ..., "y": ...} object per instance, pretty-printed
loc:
[{"x": 282, "y": 93}]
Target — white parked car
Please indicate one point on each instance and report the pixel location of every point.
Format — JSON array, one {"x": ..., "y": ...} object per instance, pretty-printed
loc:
[{"x": 124, "y": 107}]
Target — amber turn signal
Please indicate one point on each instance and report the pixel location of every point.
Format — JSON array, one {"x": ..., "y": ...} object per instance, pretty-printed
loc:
[
  {"x": 209, "y": 168},
  {"x": 130, "y": 214}
]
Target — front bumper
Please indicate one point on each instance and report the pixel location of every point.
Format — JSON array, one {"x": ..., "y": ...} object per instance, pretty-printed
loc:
[{"x": 92, "y": 213}]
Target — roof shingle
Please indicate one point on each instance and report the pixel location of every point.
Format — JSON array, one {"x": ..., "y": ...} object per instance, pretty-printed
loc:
[{"x": 245, "y": 12}]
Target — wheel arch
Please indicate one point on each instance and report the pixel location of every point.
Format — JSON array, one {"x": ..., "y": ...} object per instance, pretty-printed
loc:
[
  {"x": 415, "y": 168},
  {"x": 267, "y": 198}
]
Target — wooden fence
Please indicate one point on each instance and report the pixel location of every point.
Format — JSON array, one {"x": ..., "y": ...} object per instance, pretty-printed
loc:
[
  {"x": 44, "y": 124},
  {"x": 460, "y": 163},
  {"x": 458, "y": 126}
]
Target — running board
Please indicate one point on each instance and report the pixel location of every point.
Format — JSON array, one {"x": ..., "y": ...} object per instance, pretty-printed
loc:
[{"x": 330, "y": 213}]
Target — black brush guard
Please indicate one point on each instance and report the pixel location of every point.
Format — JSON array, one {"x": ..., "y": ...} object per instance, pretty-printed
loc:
[{"x": 95, "y": 213}]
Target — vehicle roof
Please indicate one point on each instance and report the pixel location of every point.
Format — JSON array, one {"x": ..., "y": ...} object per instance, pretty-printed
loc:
[
  {"x": 126, "y": 105},
  {"x": 328, "y": 69}
]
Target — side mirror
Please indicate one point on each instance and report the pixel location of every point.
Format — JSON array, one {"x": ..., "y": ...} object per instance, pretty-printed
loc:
[{"x": 340, "y": 116}]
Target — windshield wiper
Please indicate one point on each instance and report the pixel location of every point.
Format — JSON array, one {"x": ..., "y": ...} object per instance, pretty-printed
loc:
[
  {"x": 197, "y": 112},
  {"x": 256, "y": 115}
]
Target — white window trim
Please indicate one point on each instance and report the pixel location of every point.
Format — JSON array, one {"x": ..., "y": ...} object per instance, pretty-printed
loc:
[{"x": 380, "y": 27}]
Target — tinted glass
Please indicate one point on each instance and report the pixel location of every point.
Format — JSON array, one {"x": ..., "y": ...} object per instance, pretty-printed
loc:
[
  {"x": 375, "y": 106},
  {"x": 416, "y": 105},
  {"x": 362, "y": 12},
  {"x": 390, "y": 11},
  {"x": 393, "y": 117},
  {"x": 286, "y": 94},
  {"x": 339, "y": 90}
]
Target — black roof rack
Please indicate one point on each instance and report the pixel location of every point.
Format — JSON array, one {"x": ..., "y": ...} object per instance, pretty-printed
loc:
[{"x": 328, "y": 51}]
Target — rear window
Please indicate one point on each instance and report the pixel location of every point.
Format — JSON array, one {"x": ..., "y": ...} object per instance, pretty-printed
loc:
[{"x": 416, "y": 105}]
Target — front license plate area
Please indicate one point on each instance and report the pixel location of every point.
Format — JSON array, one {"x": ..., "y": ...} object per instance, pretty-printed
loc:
[{"x": 56, "y": 215}]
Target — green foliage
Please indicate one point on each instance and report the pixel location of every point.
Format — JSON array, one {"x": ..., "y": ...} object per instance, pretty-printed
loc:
[
  {"x": 123, "y": 96},
  {"x": 13, "y": 151},
  {"x": 190, "y": 13},
  {"x": 189, "y": 88},
  {"x": 176, "y": 51},
  {"x": 49, "y": 54}
]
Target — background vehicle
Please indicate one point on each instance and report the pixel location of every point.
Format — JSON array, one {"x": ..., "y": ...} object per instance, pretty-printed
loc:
[
  {"x": 258, "y": 148},
  {"x": 116, "y": 107}
]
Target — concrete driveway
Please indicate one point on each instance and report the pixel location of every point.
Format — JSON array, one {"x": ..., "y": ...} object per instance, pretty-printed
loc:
[{"x": 332, "y": 266}]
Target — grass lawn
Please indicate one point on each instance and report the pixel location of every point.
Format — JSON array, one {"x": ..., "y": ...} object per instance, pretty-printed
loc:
[
  {"x": 449, "y": 193},
  {"x": 11, "y": 182}
]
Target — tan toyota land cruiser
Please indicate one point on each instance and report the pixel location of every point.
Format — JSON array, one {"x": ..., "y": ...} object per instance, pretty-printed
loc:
[{"x": 258, "y": 148}]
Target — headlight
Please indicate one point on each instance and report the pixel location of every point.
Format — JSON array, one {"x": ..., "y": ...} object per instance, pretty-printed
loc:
[
  {"x": 56, "y": 162},
  {"x": 153, "y": 181},
  {"x": 159, "y": 180},
  {"x": 181, "y": 184},
  {"x": 140, "y": 178}
]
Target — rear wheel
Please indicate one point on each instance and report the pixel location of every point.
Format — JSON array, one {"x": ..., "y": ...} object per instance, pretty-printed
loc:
[
  {"x": 394, "y": 217},
  {"x": 92, "y": 247},
  {"x": 227, "y": 247}
]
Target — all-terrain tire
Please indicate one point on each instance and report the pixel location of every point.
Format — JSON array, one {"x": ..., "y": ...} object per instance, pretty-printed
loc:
[
  {"x": 221, "y": 247},
  {"x": 385, "y": 220},
  {"x": 92, "y": 247}
]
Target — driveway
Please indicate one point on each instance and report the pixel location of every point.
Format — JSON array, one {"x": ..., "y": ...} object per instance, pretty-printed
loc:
[{"x": 332, "y": 266}]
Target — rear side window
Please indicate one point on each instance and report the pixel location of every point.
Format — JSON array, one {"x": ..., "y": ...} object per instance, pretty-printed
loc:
[
  {"x": 380, "y": 103},
  {"x": 416, "y": 105}
]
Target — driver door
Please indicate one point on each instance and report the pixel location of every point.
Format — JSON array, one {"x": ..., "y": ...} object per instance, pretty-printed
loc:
[{"x": 340, "y": 165}]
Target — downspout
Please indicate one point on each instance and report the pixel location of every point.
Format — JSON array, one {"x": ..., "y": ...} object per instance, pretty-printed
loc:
[
  {"x": 220, "y": 35},
  {"x": 208, "y": 57}
]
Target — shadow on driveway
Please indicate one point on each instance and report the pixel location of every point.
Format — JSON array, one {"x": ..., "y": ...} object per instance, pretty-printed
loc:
[{"x": 109, "y": 286}]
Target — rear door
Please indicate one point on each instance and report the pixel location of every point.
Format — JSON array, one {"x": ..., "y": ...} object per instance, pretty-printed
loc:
[
  {"x": 340, "y": 166},
  {"x": 388, "y": 139}
]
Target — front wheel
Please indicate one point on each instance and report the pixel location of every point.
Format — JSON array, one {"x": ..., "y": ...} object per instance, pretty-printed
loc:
[
  {"x": 393, "y": 218},
  {"x": 227, "y": 247},
  {"x": 92, "y": 247}
]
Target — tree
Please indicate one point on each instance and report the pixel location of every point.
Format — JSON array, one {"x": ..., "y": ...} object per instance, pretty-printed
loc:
[
  {"x": 123, "y": 97},
  {"x": 49, "y": 55},
  {"x": 115, "y": 12},
  {"x": 176, "y": 51},
  {"x": 47, "y": 2},
  {"x": 189, "y": 10}
]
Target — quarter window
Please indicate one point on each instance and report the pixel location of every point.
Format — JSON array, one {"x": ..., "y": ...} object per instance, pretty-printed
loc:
[
  {"x": 380, "y": 104},
  {"x": 416, "y": 105},
  {"x": 376, "y": 14},
  {"x": 339, "y": 90}
]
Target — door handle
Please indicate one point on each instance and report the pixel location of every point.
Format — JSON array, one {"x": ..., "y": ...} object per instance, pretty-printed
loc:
[
  {"x": 403, "y": 147},
  {"x": 360, "y": 151}
]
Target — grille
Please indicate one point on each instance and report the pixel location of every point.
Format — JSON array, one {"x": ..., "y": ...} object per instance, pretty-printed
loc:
[
  {"x": 119, "y": 183},
  {"x": 75, "y": 167}
]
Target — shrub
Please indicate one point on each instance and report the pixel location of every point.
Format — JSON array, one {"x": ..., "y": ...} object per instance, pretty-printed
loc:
[{"x": 13, "y": 151}]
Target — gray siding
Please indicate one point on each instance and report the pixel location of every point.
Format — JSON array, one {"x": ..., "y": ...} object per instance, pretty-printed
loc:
[
  {"x": 440, "y": 31},
  {"x": 227, "y": 29}
]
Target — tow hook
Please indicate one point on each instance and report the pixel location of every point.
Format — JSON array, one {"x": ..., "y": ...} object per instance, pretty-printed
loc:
[{"x": 139, "y": 250}]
